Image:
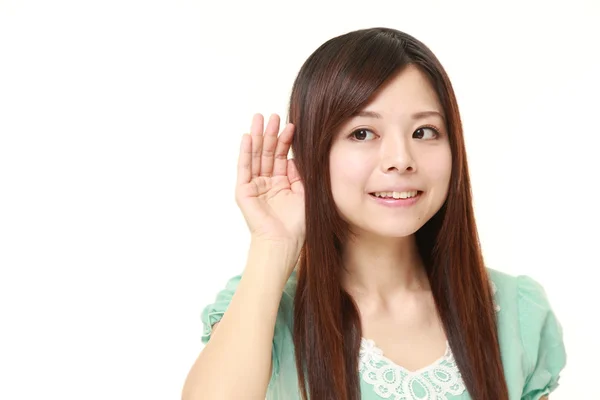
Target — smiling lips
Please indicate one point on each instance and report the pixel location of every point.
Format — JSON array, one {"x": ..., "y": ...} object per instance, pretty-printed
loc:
[
  {"x": 395, "y": 199},
  {"x": 396, "y": 195}
]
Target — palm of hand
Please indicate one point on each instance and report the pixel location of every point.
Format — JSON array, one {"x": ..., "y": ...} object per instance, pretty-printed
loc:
[{"x": 270, "y": 192}]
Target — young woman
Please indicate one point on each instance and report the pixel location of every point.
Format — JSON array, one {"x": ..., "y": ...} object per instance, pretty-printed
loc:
[{"x": 365, "y": 277}]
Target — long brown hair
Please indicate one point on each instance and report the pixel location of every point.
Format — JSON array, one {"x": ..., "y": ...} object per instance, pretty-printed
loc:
[{"x": 338, "y": 79}]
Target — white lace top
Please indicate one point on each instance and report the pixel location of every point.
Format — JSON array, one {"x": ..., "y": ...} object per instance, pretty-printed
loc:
[{"x": 390, "y": 380}]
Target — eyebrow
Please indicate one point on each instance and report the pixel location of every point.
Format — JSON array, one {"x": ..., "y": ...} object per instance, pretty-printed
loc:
[{"x": 415, "y": 116}]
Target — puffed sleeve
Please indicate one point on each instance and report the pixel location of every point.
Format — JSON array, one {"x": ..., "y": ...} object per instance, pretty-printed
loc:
[
  {"x": 213, "y": 313},
  {"x": 542, "y": 339}
]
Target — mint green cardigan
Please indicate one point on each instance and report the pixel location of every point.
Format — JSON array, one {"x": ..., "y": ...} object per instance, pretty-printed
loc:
[{"x": 531, "y": 346}]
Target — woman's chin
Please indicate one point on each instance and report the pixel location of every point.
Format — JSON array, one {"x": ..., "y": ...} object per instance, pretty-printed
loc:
[{"x": 390, "y": 230}]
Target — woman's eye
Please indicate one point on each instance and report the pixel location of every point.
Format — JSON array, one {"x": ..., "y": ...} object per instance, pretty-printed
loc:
[
  {"x": 362, "y": 134},
  {"x": 425, "y": 133}
]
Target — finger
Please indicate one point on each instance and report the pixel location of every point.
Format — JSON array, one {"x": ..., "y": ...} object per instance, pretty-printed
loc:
[
  {"x": 281, "y": 151},
  {"x": 269, "y": 143},
  {"x": 294, "y": 177},
  {"x": 257, "y": 141},
  {"x": 244, "y": 174}
]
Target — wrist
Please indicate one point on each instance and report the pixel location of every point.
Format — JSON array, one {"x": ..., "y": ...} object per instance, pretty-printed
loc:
[
  {"x": 277, "y": 246},
  {"x": 273, "y": 257}
]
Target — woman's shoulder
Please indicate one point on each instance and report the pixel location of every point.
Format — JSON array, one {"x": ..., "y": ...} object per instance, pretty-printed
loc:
[
  {"x": 518, "y": 293},
  {"x": 529, "y": 332},
  {"x": 522, "y": 300}
]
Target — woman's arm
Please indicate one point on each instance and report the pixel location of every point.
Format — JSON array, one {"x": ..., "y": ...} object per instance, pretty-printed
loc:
[{"x": 237, "y": 360}]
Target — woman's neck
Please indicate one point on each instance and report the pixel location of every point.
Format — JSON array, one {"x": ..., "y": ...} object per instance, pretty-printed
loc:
[{"x": 376, "y": 266}]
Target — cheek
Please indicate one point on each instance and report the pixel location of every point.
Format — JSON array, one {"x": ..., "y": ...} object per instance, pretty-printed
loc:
[
  {"x": 440, "y": 171},
  {"x": 348, "y": 175}
]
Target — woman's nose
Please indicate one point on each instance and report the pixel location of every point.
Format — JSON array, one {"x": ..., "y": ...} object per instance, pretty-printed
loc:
[{"x": 397, "y": 155}]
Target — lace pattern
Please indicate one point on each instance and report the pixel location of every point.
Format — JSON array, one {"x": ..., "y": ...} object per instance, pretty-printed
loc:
[
  {"x": 494, "y": 290},
  {"x": 391, "y": 381}
]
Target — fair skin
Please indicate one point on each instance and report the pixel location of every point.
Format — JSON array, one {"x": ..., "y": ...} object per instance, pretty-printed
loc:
[{"x": 398, "y": 142}]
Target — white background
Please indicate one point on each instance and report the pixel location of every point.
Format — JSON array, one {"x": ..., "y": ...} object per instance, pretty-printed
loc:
[{"x": 120, "y": 124}]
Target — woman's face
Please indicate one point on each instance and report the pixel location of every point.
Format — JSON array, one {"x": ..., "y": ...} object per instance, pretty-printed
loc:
[{"x": 390, "y": 164}]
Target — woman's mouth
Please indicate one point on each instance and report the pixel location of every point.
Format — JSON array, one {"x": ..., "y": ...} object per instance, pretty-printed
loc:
[
  {"x": 397, "y": 199},
  {"x": 396, "y": 195}
]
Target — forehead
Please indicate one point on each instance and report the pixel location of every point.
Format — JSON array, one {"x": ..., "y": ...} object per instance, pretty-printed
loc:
[{"x": 407, "y": 91}]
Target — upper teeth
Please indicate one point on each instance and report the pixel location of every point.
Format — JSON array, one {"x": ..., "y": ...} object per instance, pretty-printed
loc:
[{"x": 397, "y": 195}]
